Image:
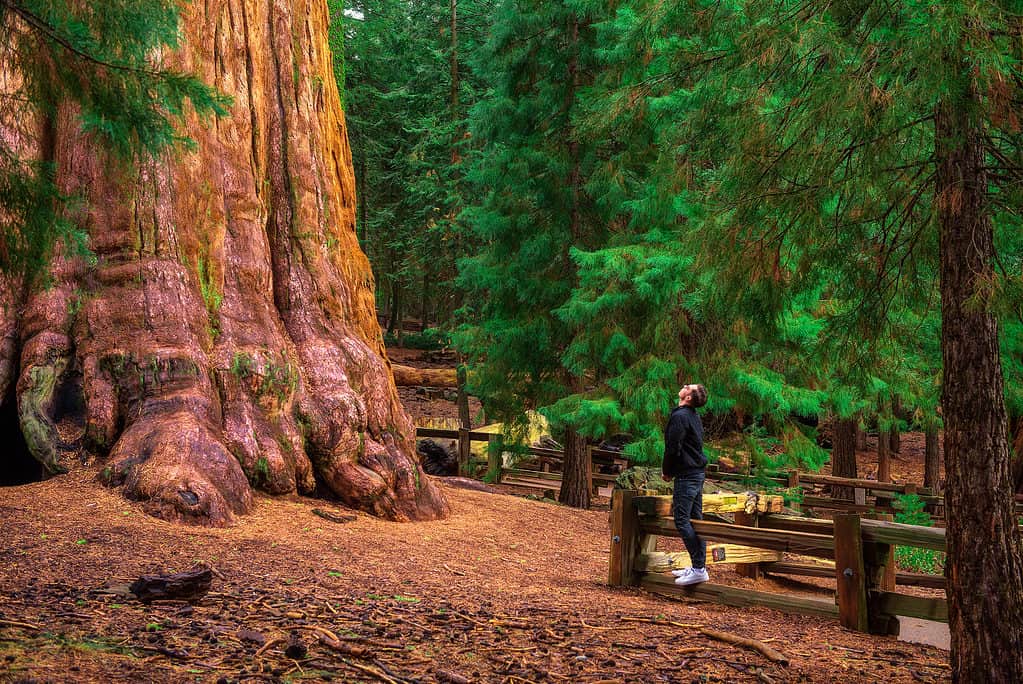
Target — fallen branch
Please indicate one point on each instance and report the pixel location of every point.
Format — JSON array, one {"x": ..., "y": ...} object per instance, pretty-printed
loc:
[
  {"x": 768, "y": 652},
  {"x": 14, "y": 623},
  {"x": 334, "y": 517}
]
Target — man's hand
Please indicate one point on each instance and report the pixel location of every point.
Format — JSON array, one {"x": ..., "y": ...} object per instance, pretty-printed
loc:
[{"x": 666, "y": 478}]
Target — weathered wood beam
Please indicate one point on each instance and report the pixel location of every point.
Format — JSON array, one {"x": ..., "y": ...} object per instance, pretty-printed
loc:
[
  {"x": 407, "y": 376},
  {"x": 661, "y": 561},
  {"x": 891, "y": 603},
  {"x": 822, "y": 546},
  {"x": 732, "y": 596}
]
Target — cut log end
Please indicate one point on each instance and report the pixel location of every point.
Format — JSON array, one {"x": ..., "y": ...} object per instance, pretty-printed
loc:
[{"x": 185, "y": 586}]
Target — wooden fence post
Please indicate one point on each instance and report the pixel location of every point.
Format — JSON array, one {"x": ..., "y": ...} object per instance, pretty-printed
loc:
[
  {"x": 750, "y": 570},
  {"x": 850, "y": 572},
  {"x": 625, "y": 539},
  {"x": 495, "y": 459},
  {"x": 879, "y": 575},
  {"x": 463, "y": 452}
]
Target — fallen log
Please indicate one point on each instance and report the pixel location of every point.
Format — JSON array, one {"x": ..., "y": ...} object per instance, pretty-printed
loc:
[
  {"x": 406, "y": 376},
  {"x": 187, "y": 586}
]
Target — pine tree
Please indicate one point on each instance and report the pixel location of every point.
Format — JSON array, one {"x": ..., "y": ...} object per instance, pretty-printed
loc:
[{"x": 531, "y": 172}]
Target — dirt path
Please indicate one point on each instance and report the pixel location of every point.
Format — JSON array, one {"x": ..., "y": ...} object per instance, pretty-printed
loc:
[{"x": 505, "y": 590}]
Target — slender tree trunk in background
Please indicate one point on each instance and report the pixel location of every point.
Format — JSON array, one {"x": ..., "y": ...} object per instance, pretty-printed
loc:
[
  {"x": 861, "y": 438},
  {"x": 985, "y": 565},
  {"x": 884, "y": 456},
  {"x": 575, "y": 475},
  {"x": 424, "y": 311},
  {"x": 455, "y": 85},
  {"x": 895, "y": 438},
  {"x": 843, "y": 454},
  {"x": 225, "y": 337},
  {"x": 932, "y": 459}
]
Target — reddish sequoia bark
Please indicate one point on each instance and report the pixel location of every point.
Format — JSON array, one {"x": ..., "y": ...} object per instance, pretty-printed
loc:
[
  {"x": 575, "y": 476},
  {"x": 843, "y": 454},
  {"x": 226, "y": 337},
  {"x": 985, "y": 564},
  {"x": 932, "y": 459},
  {"x": 884, "y": 456}
]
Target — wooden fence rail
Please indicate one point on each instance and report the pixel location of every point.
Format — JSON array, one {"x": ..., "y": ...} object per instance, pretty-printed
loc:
[
  {"x": 858, "y": 553},
  {"x": 535, "y": 479}
]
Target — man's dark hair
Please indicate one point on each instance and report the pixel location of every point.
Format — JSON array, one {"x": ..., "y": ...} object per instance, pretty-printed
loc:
[{"x": 699, "y": 396}]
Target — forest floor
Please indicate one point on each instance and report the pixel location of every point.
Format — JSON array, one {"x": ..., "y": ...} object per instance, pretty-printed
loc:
[{"x": 507, "y": 589}]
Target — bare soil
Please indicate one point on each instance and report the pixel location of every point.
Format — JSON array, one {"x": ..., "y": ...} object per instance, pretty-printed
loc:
[{"x": 506, "y": 589}]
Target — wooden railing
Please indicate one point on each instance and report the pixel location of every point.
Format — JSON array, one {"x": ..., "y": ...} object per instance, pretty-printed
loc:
[
  {"x": 857, "y": 552},
  {"x": 543, "y": 479}
]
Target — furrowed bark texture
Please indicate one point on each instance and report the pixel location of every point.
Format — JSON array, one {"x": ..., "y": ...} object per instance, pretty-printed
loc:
[
  {"x": 226, "y": 338},
  {"x": 575, "y": 476},
  {"x": 985, "y": 568},
  {"x": 843, "y": 454}
]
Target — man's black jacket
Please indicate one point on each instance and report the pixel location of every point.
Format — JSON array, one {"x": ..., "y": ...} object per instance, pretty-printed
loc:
[{"x": 683, "y": 443}]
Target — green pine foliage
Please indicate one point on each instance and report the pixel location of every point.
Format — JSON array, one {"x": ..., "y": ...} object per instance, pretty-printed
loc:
[
  {"x": 408, "y": 141},
  {"x": 101, "y": 57},
  {"x": 530, "y": 173}
]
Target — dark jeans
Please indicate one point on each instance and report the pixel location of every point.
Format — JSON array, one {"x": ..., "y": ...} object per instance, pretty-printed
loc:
[{"x": 686, "y": 505}]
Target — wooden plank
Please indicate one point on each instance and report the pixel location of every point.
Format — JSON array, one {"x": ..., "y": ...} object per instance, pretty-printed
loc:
[
  {"x": 661, "y": 561},
  {"x": 905, "y": 579},
  {"x": 796, "y": 524},
  {"x": 532, "y": 474},
  {"x": 437, "y": 433},
  {"x": 850, "y": 574},
  {"x": 739, "y": 477},
  {"x": 919, "y": 579},
  {"x": 529, "y": 484},
  {"x": 732, "y": 596},
  {"x": 717, "y": 503},
  {"x": 814, "y": 478},
  {"x": 891, "y": 603},
  {"x": 801, "y": 569},
  {"x": 900, "y": 534},
  {"x": 818, "y": 545}
]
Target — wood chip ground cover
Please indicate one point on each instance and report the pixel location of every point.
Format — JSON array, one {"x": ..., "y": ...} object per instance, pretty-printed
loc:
[{"x": 505, "y": 590}]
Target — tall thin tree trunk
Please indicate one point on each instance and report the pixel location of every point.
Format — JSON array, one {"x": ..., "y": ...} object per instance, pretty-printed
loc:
[
  {"x": 932, "y": 458},
  {"x": 884, "y": 456},
  {"x": 985, "y": 564},
  {"x": 894, "y": 438},
  {"x": 575, "y": 475},
  {"x": 843, "y": 454},
  {"x": 455, "y": 84}
]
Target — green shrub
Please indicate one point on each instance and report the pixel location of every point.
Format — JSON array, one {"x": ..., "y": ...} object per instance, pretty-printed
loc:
[{"x": 911, "y": 511}]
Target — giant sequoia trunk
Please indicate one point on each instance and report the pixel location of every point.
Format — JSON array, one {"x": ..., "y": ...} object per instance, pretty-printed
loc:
[
  {"x": 985, "y": 568},
  {"x": 225, "y": 337}
]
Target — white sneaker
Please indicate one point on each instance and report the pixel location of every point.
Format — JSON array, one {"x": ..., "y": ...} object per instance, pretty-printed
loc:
[
  {"x": 691, "y": 576},
  {"x": 681, "y": 572}
]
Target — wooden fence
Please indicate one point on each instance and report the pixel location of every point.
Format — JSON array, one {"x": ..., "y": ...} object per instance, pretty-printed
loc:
[
  {"x": 541, "y": 477},
  {"x": 857, "y": 551}
]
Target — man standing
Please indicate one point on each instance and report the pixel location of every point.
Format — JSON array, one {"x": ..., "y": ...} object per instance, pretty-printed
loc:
[{"x": 685, "y": 461}]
